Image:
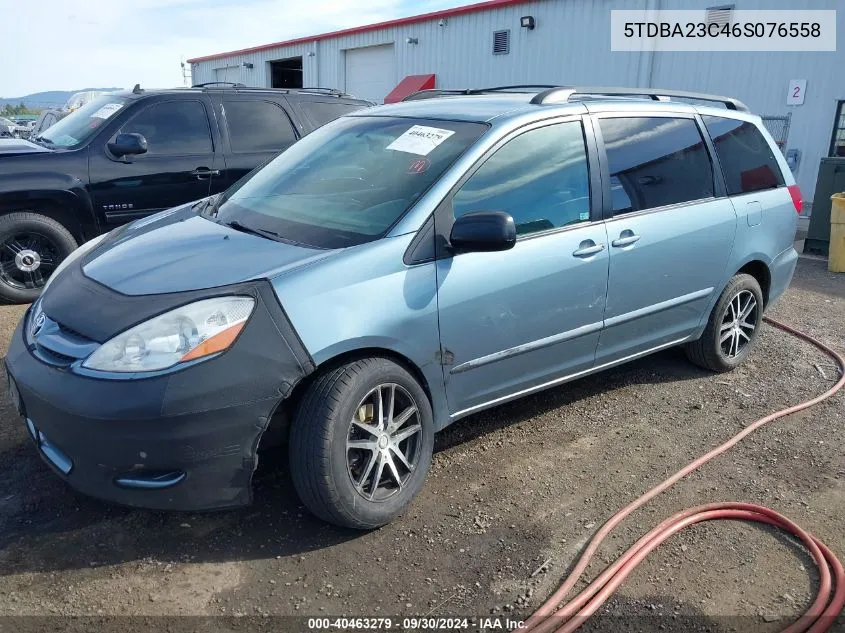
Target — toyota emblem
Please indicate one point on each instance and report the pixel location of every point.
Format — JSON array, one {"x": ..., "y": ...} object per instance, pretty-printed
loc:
[{"x": 38, "y": 324}]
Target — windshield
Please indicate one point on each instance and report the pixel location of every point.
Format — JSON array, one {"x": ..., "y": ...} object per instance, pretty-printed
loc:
[
  {"x": 348, "y": 182},
  {"x": 77, "y": 127}
]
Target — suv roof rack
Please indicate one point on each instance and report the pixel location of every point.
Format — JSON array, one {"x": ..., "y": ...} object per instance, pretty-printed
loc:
[
  {"x": 564, "y": 94},
  {"x": 332, "y": 92},
  {"x": 219, "y": 83},
  {"x": 445, "y": 92}
]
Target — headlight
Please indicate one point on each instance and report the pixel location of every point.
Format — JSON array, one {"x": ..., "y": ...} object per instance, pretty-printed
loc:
[
  {"x": 184, "y": 334},
  {"x": 67, "y": 261}
]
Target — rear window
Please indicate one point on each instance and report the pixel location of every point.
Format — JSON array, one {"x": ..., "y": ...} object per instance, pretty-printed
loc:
[
  {"x": 258, "y": 126},
  {"x": 748, "y": 162},
  {"x": 321, "y": 112}
]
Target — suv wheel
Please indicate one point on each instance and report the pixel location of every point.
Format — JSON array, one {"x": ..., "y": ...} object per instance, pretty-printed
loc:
[
  {"x": 361, "y": 443},
  {"x": 31, "y": 246},
  {"x": 733, "y": 327}
]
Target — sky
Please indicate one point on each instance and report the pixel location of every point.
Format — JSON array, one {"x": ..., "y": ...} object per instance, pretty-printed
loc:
[{"x": 74, "y": 44}]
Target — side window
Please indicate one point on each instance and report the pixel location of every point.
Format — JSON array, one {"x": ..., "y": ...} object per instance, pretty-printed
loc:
[
  {"x": 258, "y": 126},
  {"x": 655, "y": 161},
  {"x": 540, "y": 177},
  {"x": 747, "y": 160},
  {"x": 321, "y": 112},
  {"x": 173, "y": 127}
]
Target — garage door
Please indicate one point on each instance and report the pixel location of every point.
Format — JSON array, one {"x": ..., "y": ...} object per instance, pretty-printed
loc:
[{"x": 371, "y": 72}]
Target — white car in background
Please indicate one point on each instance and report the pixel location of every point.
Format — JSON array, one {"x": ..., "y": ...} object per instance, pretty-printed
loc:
[
  {"x": 79, "y": 99},
  {"x": 8, "y": 129}
]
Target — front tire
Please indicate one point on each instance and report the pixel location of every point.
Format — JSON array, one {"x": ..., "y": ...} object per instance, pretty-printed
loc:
[
  {"x": 31, "y": 247},
  {"x": 733, "y": 327},
  {"x": 361, "y": 443}
]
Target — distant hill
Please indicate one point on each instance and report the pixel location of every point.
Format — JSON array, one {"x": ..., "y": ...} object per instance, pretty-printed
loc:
[{"x": 49, "y": 99}]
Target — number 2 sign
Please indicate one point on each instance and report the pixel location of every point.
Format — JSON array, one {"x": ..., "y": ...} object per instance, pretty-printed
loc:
[{"x": 797, "y": 89}]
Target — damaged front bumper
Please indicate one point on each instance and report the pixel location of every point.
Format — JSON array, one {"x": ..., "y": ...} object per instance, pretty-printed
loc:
[{"x": 179, "y": 440}]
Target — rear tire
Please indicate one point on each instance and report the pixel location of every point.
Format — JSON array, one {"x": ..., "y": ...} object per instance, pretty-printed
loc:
[
  {"x": 349, "y": 468},
  {"x": 31, "y": 247},
  {"x": 733, "y": 327}
]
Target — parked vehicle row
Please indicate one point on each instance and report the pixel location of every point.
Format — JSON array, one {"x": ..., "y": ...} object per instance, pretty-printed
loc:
[
  {"x": 392, "y": 272},
  {"x": 127, "y": 155}
]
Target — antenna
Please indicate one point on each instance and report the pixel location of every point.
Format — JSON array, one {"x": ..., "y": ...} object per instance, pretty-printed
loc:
[{"x": 186, "y": 73}]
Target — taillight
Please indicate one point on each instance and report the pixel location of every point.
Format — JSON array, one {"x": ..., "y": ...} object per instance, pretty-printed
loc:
[{"x": 797, "y": 202}]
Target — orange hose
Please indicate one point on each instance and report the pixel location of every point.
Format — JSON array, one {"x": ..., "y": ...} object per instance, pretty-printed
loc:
[{"x": 817, "y": 619}]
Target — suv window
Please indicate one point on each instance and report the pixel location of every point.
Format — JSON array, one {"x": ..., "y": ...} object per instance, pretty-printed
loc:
[
  {"x": 258, "y": 126},
  {"x": 540, "y": 177},
  {"x": 173, "y": 127},
  {"x": 748, "y": 162},
  {"x": 321, "y": 112},
  {"x": 655, "y": 161}
]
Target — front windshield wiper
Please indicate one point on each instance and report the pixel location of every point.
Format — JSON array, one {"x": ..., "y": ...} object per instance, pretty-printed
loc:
[
  {"x": 208, "y": 206},
  {"x": 254, "y": 231},
  {"x": 43, "y": 142}
]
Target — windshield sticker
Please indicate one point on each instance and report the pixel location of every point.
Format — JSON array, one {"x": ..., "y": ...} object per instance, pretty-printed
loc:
[
  {"x": 420, "y": 140},
  {"x": 107, "y": 110},
  {"x": 419, "y": 166},
  {"x": 585, "y": 215}
]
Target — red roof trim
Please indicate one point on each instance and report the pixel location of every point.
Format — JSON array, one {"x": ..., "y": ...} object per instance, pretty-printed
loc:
[{"x": 445, "y": 13}]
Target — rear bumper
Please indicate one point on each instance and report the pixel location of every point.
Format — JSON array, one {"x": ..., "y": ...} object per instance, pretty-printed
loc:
[
  {"x": 186, "y": 440},
  {"x": 781, "y": 269}
]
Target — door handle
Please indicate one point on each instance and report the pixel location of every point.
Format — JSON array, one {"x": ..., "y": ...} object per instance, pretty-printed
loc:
[
  {"x": 588, "y": 248},
  {"x": 626, "y": 238},
  {"x": 205, "y": 172}
]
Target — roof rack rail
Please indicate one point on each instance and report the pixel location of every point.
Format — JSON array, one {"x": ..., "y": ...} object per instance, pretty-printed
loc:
[
  {"x": 435, "y": 92},
  {"x": 219, "y": 83},
  {"x": 563, "y": 94},
  {"x": 441, "y": 92},
  {"x": 331, "y": 91}
]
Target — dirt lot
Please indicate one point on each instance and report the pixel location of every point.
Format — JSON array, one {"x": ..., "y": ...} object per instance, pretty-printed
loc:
[{"x": 510, "y": 488}]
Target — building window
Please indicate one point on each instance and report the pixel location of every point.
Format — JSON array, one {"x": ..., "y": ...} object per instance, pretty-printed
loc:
[
  {"x": 501, "y": 42},
  {"x": 837, "y": 143}
]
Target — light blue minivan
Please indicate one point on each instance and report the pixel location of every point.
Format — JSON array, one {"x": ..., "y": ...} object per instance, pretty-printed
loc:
[{"x": 394, "y": 271}]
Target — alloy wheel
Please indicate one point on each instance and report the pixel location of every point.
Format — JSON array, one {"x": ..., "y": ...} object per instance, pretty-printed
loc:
[
  {"x": 738, "y": 324},
  {"x": 27, "y": 260},
  {"x": 383, "y": 443}
]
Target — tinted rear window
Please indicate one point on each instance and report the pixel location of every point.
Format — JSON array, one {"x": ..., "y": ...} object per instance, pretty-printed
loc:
[
  {"x": 748, "y": 162},
  {"x": 321, "y": 112},
  {"x": 655, "y": 162},
  {"x": 258, "y": 126}
]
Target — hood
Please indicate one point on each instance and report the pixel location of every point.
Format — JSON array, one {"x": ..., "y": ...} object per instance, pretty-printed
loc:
[
  {"x": 19, "y": 146},
  {"x": 178, "y": 250}
]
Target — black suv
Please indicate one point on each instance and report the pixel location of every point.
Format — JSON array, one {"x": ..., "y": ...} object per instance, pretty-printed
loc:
[{"x": 127, "y": 155}]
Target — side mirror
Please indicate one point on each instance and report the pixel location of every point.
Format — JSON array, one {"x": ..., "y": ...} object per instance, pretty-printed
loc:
[
  {"x": 483, "y": 232},
  {"x": 128, "y": 145}
]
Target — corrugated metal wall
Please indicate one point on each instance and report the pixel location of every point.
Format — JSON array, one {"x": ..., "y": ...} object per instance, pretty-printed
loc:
[{"x": 571, "y": 45}]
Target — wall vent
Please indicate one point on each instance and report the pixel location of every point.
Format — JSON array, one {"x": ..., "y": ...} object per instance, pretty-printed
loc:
[
  {"x": 720, "y": 15},
  {"x": 501, "y": 42}
]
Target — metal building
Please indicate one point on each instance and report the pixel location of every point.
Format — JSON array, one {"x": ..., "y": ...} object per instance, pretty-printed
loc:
[{"x": 564, "y": 42}]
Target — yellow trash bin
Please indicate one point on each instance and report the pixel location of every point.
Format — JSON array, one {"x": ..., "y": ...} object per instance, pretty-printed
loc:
[{"x": 836, "y": 256}]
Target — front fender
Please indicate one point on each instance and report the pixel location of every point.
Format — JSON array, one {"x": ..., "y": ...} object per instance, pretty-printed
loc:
[
  {"x": 365, "y": 299},
  {"x": 61, "y": 196}
]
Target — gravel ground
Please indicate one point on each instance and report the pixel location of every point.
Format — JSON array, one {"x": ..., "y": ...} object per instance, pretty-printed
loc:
[{"x": 509, "y": 489}]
